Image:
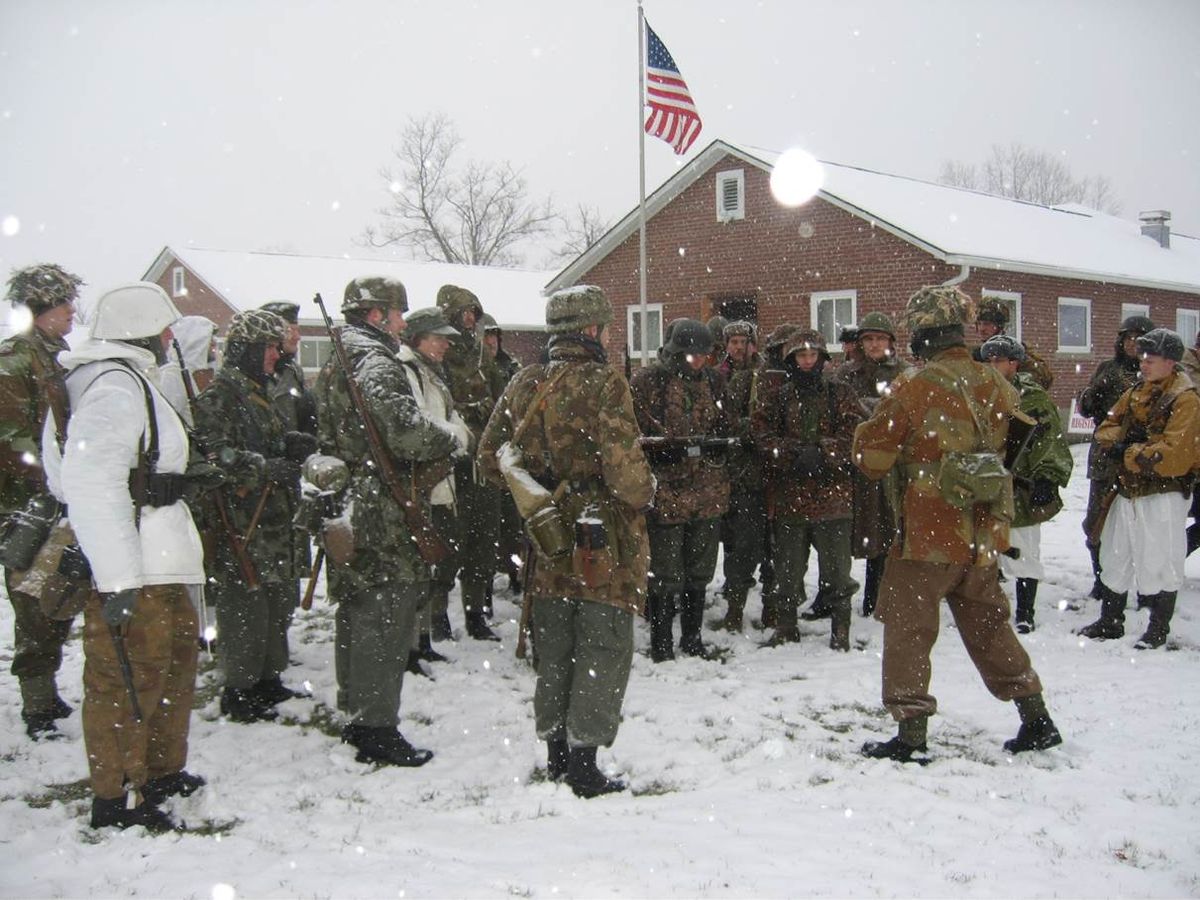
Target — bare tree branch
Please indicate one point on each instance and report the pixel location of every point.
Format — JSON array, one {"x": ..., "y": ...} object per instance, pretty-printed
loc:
[{"x": 1023, "y": 173}]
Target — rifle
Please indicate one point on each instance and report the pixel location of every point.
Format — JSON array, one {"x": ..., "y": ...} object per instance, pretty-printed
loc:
[
  {"x": 236, "y": 543},
  {"x": 118, "y": 640},
  {"x": 628, "y": 362},
  {"x": 666, "y": 450},
  {"x": 307, "y": 602},
  {"x": 430, "y": 545},
  {"x": 524, "y": 630}
]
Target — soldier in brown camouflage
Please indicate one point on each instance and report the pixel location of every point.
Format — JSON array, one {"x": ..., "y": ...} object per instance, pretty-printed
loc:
[
  {"x": 682, "y": 397},
  {"x": 572, "y": 424},
  {"x": 29, "y": 374},
  {"x": 949, "y": 540}
]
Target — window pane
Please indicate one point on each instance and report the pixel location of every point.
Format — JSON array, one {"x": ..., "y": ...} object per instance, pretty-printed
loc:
[
  {"x": 1072, "y": 326},
  {"x": 825, "y": 309},
  {"x": 845, "y": 315}
]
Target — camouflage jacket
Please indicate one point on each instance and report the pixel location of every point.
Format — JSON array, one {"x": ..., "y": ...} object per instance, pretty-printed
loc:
[
  {"x": 670, "y": 404},
  {"x": 471, "y": 377},
  {"x": 293, "y": 400},
  {"x": 1112, "y": 378},
  {"x": 384, "y": 548},
  {"x": 875, "y": 502},
  {"x": 1168, "y": 412},
  {"x": 745, "y": 467},
  {"x": 585, "y": 434},
  {"x": 794, "y": 412},
  {"x": 235, "y": 414},
  {"x": 925, "y": 416},
  {"x": 29, "y": 375},
  {"x": 1048, "y": 456},
  {"x": 501, "y": 372}
]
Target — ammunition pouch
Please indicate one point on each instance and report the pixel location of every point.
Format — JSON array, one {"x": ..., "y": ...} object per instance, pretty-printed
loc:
[
  {"x": 60, "y": 576},
  {"x": 158, "y": 488},
  {"x": 337, "y": 537},
  {"x": 966, "y": 480},
  {"x": 25, "y": 531}
]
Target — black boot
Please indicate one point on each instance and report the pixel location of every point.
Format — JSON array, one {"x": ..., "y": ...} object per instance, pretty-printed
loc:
[
  {"x": 113, "y": 814},
  {"x": 272, "y": 691},
  {"x": 1193, "y": 537},
  {"x": 585, "y": 779},
  {"x": 488, "y": 606},
  {"x": 440, "y": 627},
  {"x": 385, "y": 746},
  {"x": 177, "y": 784},
  {"x": 1097, "y": 592},
  {"x": 839, "y": 628},
  {"x": 662, "y": 614},
  {"x": 558, "y": 758},
  {"x": 691, "y": 620},
  {"x": 478, "y": 628},
  {"x": 1026, "y": 595},
  {"x": 40, "y": 726},
  {"x": 1037, "y": 731},
  {"x": 770, "y": 608},
  {"x": 871, "y": 584},
  {"x": 905, "y": 746},
  {"x": 821, "y": 608},
  {"x": 735, "y": 599},
  {"x": 60, "y": 709},
  {"x": 426, "y": 652},
  {"x": 1162, "y": 608},
  {"x": 244, "y": 706},
  {"x": 1111, "y": 623},
  {"x": 417, "y": 666}
]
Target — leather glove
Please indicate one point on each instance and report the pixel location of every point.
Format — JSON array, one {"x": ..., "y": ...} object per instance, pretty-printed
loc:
[
  {"x": 1043, "y": 492},
  {"x": 203, "y": 477},
  {"x": 281, "y": 471},
  {"x": 809, "y": 461},
  {"x": 1147, "y": 462},
  {"x": 117, "y": 609},
  {"x": 299, "y": 445}
]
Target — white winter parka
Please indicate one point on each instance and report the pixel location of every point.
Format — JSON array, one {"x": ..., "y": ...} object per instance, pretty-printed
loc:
[
  {"x": 108, "y": 426},
  {"x": 434, "y": 399}
]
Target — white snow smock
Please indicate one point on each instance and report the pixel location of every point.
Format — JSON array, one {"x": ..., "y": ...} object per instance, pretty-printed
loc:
[
  {"x": 194, "y": 334},
  {"x": 107, "y": 429},
  {"x": 434, "y": 400}
]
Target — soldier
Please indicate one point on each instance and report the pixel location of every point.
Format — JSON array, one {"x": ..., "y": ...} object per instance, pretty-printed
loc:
[
  {"x": 30, "y": 379},
  {"x": 954, "y": 523},
  {"x": 991, "y": 320},
  {"x": 290, "y": 395},
  {"x": 572, "y": 423},
  {"x": 379, "y": 590},
  {"x": 1112, "y": 378},
  {"x": 469, "y": 375},
  {"x": 139, "y": 639},
  {"x": 427, "y": 337},
  {"x": 681, "y": 397},
  {"x": 716, "y": 327},
  {"x": 511, "y": 541},
  {"x": 743, "y": 529},
  {"x": 803, "y": 425},
  {"x": 1038, "y": 472},
  {"x": 240, "y": 427},
  {"x": 869, "y": 376},
  {"x": 196, "y": 337},
  {"x": 1153, "y": 435}
]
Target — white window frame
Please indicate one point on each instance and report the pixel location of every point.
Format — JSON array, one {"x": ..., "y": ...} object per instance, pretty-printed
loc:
[
  {"x": 1014, "y": 324},
  {"x": 1188, "y": 333},
  {"x": 312, "y": 341},
  {"x": 1134, "y": 309},
  {"x": 634, "y": 310},
  {"x": 1079, "y": 303},
  {"x": 737, "y": 176},
  {"x": 816, "y": 298},
  {"x": 178, "y": 282}
]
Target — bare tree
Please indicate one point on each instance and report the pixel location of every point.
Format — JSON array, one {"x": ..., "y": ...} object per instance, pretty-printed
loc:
[
  {"x": 581, "y": 228},
  {"x": 1023, "y": 173},
  {"x": 477, "y": 214}
]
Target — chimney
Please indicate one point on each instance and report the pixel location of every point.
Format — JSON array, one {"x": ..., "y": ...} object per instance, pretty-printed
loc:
[{"x": 1156, "y": 223}]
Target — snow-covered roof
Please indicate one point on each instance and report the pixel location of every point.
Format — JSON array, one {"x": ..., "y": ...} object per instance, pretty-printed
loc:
[
  {"x": 960, "y": 227},
  {"x": 247, "y": 279}
]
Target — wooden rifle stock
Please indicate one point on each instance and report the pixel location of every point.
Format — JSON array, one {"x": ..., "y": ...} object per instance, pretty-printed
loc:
[
  {"x": 236, "y": 544},
  {"x": 307, "y": 602},
  {"x": 429, "y": 543}
]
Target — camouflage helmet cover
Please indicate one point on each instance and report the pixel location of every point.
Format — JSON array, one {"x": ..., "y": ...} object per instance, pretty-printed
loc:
[
  {"x": 42, "y": 287},
  {"x": 490, "y": 325},
  {"x": 937, "y": 306},
  {"x": 689, "y": 336},
  {"x": 1002, "y": 346},
  {"x": 1161, "y": 342},
  {"x": 1136, "y": 325},
  {"x": 877, "y": 321},
  {"x": 806, "y": 339},
  {"x": 453, "y": 299},
  {"x": 575, "y": 308},
  {"x": 992, "y": 310},
  {"x": 286, "y": 310},
  {"x": 427, "y": 320},
  {"x": 374, "y": 292},
  {"x": 740, "y": 329},
  {"x": 256, "y": 326},
  {"x": 716, "y": 327},
  {"x": 779, "y": 336}
]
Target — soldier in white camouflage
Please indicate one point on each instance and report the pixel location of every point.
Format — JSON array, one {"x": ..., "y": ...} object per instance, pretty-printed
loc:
[{"x": 571, "y": 422}]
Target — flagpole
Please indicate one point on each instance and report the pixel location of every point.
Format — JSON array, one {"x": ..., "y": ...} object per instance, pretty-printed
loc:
[{"x": 642, "y": 185}]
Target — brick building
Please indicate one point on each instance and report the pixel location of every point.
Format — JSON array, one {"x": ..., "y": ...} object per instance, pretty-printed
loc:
[
  {"x": 717, "y": 242},
  {"x": 219, "y": 283}
]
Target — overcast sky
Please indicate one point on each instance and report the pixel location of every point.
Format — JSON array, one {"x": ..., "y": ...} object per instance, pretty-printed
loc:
[{"x": 125, "y": 126}]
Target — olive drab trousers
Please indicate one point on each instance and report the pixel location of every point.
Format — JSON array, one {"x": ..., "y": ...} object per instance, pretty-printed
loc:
[
  {"x": 795, "y": 538},
  {"x": 37, "y": 649},
  {"x": 908, "y": 608},
  {"x": 584, "y": 654},
  {"x": 161, "y": 642},
  {"x": 252, "y": 630}
]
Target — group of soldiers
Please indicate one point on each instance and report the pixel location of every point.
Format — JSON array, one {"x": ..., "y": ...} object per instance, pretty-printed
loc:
[{"x": 422, "y": 447}]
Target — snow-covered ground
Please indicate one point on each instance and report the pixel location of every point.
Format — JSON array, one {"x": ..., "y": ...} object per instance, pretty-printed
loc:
[{"x": 746, "y": 778}]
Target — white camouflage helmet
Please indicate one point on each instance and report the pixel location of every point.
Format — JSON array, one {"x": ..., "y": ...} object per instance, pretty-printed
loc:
[{"x": 132, "y": 311}]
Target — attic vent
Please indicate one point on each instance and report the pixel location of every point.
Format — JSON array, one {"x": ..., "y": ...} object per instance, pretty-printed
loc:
[{"x": 731, "y": 195}]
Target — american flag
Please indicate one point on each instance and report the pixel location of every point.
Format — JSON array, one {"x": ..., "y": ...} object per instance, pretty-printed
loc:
[{"x": 673, "y": 116}]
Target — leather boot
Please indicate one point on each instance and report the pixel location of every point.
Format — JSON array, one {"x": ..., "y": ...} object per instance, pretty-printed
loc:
[
  {"x": 1162, "y": 608},
  {"x": 839, "y": 628},
  {"x": 385, "y": 746},
  {"x": 177, "y": 784},
  {"x": 662, "y": 613},
  {"x": 440, "y": 629},
  {"x": 116, "y": 814},
  {"x": 691, "y": 620},
  {"x": 425, "y": 649},
  {"x": 1026, "y": 595},
  {"x": 1111, "y": 623},
  {"x": 770, "y": 608},
  {"x": 1037, "y": 731},
  {"x": 474, "y": 596},
  {"x": 488, "y": 607},
  {"x": 272, "y": 691},
  {"x": 1193, "y": 537},
  {"x": 909, "y": 741},
  {"x": 558, "y": 758},
  {"x": 1097, "y": 592},
  {"x": 245, "y": 706},
  {"x": 871, "y": 585},
  {"x": 821, "y": 608},
  {"x": 585, "y": 778},
  {"x": 736, "y": 605}
]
